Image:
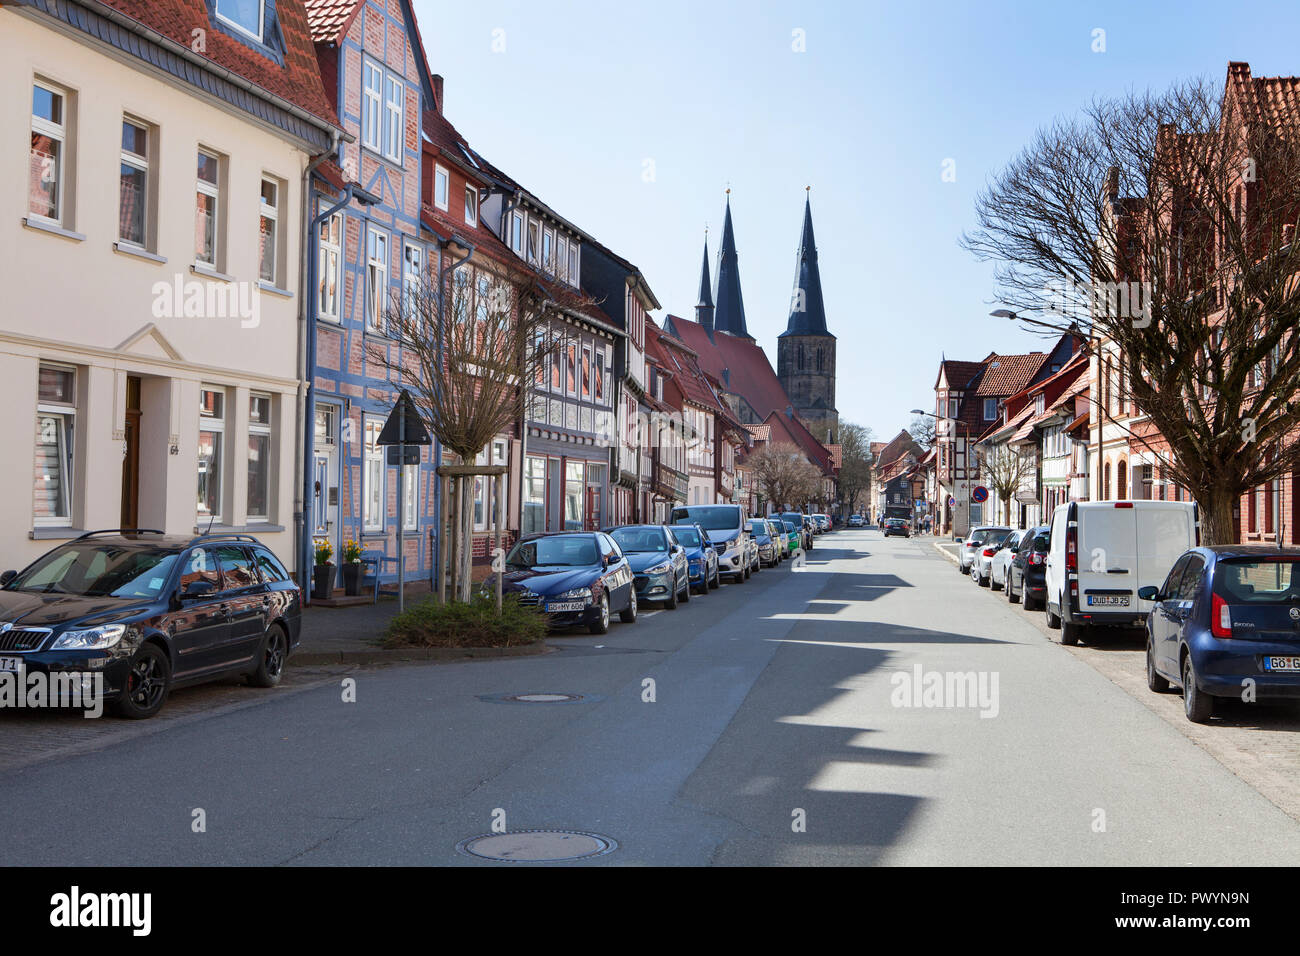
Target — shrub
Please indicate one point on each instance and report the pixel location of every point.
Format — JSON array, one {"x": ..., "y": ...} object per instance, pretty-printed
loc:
[{"x": 472, "y": 624}]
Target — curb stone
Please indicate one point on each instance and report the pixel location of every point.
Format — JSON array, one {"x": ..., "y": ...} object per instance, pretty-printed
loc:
[{"x": 383, "y": 656}]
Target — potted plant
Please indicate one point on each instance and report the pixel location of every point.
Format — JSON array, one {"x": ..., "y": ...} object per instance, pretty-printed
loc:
[
  {"x": 322, "y": 580},
  {"x": 351, "y": 568}
]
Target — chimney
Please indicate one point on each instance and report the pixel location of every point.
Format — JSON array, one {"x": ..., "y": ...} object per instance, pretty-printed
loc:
[{"x": 437, "y": 94}]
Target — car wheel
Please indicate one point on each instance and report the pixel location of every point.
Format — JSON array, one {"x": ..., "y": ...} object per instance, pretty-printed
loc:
[
  {"x": 1198, "y": 705},
  {"x": 671, "y": 603},
  {"x": 686, "y": 591},
  {"x": 628, "y": 614},
  {"x": 602, "y": 624},
  {"x": 1070, "y": 633},
  {"x": 717, "y": 579},
  {"x": 995, "y": 584},
  {"x": 147, "y": 684},
  {"x": 1012, "y": 596},
  {"x": 1155, "y": 682},
  {"x": 270, "y": 668},
  {"x": 1053, "y": 621}
]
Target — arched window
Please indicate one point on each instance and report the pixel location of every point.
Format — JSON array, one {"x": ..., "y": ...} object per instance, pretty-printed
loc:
[
  {"x": 1105, "y": 482},
  {"x": 1122, "y": 480},
  {"x": 801, "y": 358},
  {"x": 819, "y": 360}
]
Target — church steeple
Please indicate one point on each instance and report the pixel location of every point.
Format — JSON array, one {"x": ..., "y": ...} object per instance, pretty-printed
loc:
[
  {"x": 807, "y": 311},
  {"x": 704, "y": 308},
  {"x": 729, "y": 313}
]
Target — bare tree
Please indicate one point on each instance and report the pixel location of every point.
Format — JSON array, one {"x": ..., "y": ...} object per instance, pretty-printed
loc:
[
  {"x": 1006, "y": 470},
  {"x": 1162, "y": 224},
  {"x": 922, "y": 431},
  {"x": 775, "y": 470},
  {"x": 855, "y": 464},
  {"x": 468, "y": 347}
]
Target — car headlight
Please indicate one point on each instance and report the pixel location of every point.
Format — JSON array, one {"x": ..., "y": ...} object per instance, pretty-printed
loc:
[
  {"x": 574, "y": 594},
  {"x": 90, "y": 639},
  {"x": 660, "y": 568}
]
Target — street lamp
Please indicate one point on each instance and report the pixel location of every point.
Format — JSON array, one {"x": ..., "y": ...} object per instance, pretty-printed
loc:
[{"x": 963, "y": 490}]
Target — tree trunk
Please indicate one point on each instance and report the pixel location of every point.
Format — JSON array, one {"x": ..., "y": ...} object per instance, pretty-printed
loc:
[{"x": 1217, "y": 524}]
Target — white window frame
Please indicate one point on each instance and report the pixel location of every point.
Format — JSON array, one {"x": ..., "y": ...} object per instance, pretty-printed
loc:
[
  {"x": 212, "y": 191},
  {"x": 372, "y": 105},
  {"x": 517, "y": 231},
  {"x": 217, "y": 424},
  {"x": 562, "y": 258},
  {"x": 548, "y": 251},
  {"x": 394, "y": 116},
  {"x": 575, "y": 265},
  {"x": 269, "y": 212},
  {"x": 482, "y": 292},
  {"x": 441, "y": 186},
  {"x": 261, "y": 21},
  {"x": 471, "y": 205},
  {"x": 412, "y": 270},
  {"x": 329, "y": 261},
  {"x": 373, "y": 471},
  {"x": 411, "y": 501},
  {"x": 376, "y": 278},
  {"x": 987, "y": 416},
  {"x": 261, "y": 429},
  {"x": 534, "y": 241},
  {"x": 67, "y": 456},
  {"x": 59, "y": 133},
  {"x": 140, "y": 164}
]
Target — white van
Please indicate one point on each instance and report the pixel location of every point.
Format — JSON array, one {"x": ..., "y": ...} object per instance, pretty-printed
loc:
[{"x": 1102, "y": 552}]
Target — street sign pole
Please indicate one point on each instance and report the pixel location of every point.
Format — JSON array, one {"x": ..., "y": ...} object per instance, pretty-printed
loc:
[{"x": 401, "y": 515}]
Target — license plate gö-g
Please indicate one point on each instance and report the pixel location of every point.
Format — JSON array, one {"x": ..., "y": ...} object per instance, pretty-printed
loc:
[{"x": 1282, "y": 665}]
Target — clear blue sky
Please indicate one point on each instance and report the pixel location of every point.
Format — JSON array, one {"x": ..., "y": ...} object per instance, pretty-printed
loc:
[{"x": 712, "y": 93}]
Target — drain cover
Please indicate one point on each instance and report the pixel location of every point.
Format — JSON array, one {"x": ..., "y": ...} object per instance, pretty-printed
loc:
[
  {"x": 537, "y": 846},
  {"x": 540, "y": 697},
  {"x": 544, "y": 698}
]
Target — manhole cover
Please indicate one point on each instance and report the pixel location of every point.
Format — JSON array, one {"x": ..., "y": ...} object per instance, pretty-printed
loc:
[
  {"x": 544, "y": 698},
  {"x": 537, "y": 846},
  {"x": 540, "y": 697}
]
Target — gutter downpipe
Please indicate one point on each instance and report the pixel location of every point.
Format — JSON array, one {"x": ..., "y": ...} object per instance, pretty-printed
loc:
[{"x": 309, "y": 410}]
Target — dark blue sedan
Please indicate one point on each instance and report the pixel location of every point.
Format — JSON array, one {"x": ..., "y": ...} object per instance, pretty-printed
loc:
[
  {"x": 658, "y": 562},
  {"x": 701, "y": 559},
  {"x": 1226, "y": 623},
  {"x": 576, "y": 577}
]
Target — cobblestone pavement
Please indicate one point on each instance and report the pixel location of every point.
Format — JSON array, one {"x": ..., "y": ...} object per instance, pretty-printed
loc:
[{"x": 28, "y": 737}]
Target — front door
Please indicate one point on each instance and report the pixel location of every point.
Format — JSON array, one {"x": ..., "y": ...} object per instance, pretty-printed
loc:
[
  {"x": 131, "y": 455},
  {"x": 591, "y": 520}
]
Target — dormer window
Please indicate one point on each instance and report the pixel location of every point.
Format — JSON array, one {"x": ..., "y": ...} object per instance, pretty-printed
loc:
[
  {"x": 440, "y": 188},
  {"x": 246, "y": 16},
  {"x": 471, "y": 206}
]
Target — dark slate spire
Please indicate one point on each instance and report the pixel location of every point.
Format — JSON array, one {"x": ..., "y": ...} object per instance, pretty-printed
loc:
[
  {"x": 704, "y": 308},
  {"x": 807, "y": 312},
  {"x": 729, "y": 313}
]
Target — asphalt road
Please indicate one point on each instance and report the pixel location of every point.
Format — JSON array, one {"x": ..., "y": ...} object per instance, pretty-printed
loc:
[{"x": 773, "y": 737}]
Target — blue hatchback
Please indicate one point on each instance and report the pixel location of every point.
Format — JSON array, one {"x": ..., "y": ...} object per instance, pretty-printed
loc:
[
  {"x": 1226, "y": 623},
  {"x": 701, "y": 559}
]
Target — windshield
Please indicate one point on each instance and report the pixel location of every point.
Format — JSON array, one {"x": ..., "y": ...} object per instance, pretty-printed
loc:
[
  {"x": 562, "y": 551},
  {"x": 689, "y": 537},
  {"x": 98, "y": 570},
  {"x": 1258, "y": 582},
  {"x": 711, "y": 517},
  {"x": 789, "y": 526},
  {"x": 636, "y": 540},
  {"x": 758, "y": 527}
]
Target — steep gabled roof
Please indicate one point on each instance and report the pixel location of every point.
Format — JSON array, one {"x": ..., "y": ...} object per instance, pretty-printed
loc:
[
  {"x": 1008, "y": 374},
  {"x": 807, "y": 310},
  {"x": 958, "y": 373},
  {"x": 729, "y": 303},
  {"x": 898, "y": 446},
  {"x": 739, "y": 363}
]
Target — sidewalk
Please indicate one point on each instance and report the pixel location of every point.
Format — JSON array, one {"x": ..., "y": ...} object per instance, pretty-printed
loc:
[
  {"x": 949, "y": 549},
  {"x": 351, "y": 635}
]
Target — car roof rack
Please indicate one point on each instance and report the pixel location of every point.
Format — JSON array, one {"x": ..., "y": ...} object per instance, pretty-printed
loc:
[
  {"x": 118, "y": 531},
  {"x": 221, "y": 536}
]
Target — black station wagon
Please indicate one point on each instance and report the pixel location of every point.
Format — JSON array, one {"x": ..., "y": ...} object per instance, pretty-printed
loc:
[{"x": 150, "y": 613}]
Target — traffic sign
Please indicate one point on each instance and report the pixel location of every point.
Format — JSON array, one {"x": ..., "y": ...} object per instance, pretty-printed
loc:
[
  {"x": 415, "y": 432},
  {"x": 403, "y": 454},
  {"x": 979, "y": 493},
  {"x": 952, "y": 502}
]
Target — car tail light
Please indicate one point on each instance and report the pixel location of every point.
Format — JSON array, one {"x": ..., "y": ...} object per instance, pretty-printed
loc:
[
  {"x": 1037, "y": 557},
  {"x": 989, "y": 552},
  {"x": 1072, "y": 549},
  {"x": 1123, "y": 504},
  {"x": 1220, "y": 618}
]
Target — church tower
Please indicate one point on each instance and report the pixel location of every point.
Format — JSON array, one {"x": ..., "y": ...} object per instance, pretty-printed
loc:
[
  {"x": 704, "y": 308},
  {"x": 729, "y": 304},
  {"x": 805, "y": 351}
]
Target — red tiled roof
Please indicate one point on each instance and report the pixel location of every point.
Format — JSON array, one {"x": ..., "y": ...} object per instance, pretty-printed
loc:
[
  {"x": 687, "y": 375},
  {"x": 740, "y": 364},
  {"x": 896, "y": 448},
  {"x": 1008, "y": 374},
  {"x": 760, "y": 432},
  {"x": 958, "y": 373},
  {"x": 330, "y": 19},
  {"x": 837, "y": 455},
  {"x": 298, "y": 81}
]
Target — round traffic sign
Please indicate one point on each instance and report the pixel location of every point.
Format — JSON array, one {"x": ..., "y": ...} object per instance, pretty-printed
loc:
[{"x": 979, "y": 493}]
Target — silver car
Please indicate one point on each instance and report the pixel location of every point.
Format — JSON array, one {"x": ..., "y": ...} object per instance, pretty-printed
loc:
[
  {"x": 1001, "y": 562},
  {"x": 967, "y": 547},
  {"x": 981, "y": 565}
]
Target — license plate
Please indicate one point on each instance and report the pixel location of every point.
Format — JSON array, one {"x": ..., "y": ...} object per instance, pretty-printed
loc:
[
  {"x": 560, "y": 606},
  {"x": 1282, "y": 664},
  {"x": 1108, "y": 600},
  {"x": 11, "y": 664}
]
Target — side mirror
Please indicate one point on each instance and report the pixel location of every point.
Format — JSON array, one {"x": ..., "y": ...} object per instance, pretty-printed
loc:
[
  {"x": 7, "y": 577},
  {"x": 198, "y": 589},
  {"x": 1149, "y": 593}
]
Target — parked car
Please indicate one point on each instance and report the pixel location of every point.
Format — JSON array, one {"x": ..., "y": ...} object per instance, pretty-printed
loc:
[
  {"x": 981, "y": 562},
  {"x": 898, "y": 527},
  {"x": 763, "y": 532},
  {"x": 821, "y": 523},
  {"x": 782, "y": 538},
  {"x": 973, "y": 540},
  {"x": 855, "y": 521},
  {"x": 728, "y": 531},
  {"x": 658, "y": 563},
  {"x": 151, "y": 612},
  {"x": 803, "y": 525},
  {"x": 1025, "y": 572},
  {"x": 793, "y": 535},
  {"x": 578, "y": 578},
  {"x": 1002, "y": 560},
  {"x": 1102, "y": 552},
  {"x": 1225, "y": 619},
  {"x": 701, "y": 559}
]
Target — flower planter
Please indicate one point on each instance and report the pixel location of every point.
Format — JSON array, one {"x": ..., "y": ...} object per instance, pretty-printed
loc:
[
  {"x": 352, "y": 578},
  {"x": 322, "y": 581}
]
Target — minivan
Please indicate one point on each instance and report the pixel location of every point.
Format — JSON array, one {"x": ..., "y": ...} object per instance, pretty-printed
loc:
[
  {"x": 1100, "y": 553},
  {"x": 728, "y": 532}
]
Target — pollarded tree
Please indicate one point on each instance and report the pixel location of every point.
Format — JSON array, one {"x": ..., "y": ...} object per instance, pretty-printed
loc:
[{"x": 1163, "y": 225}]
